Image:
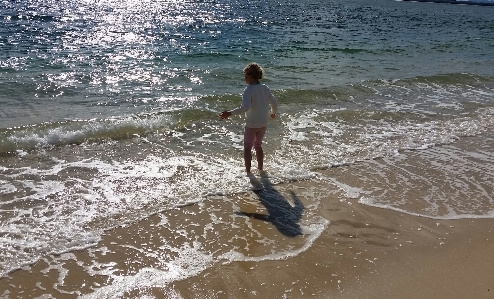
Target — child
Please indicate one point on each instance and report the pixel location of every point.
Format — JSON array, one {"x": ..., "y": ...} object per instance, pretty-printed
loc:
[{"x": 256, "y": 102}]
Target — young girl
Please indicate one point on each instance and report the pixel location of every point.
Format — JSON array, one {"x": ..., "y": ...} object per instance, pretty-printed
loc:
[{"x": 256, "y": 103}]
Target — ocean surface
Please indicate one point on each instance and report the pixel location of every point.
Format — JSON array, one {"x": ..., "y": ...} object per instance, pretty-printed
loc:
[{"x": 109, "y": 108}]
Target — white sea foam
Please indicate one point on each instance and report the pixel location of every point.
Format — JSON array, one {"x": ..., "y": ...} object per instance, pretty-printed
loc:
[
  {"x": 60, "y": 209},
  {"x": 313, "y": 230},
  {"x": 190, "y": 248},
  {"x": 175, "y": 174},
  {"x": 435, "y": 183},
  {"x": 64, "y": 133},
  {"x": 450, "y": 216}
]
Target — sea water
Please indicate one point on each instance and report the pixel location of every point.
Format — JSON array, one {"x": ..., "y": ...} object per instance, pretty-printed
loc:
[{"x": 109, "y": 108}]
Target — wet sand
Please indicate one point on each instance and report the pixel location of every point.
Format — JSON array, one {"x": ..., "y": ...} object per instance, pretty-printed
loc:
[{"x": 363, "y": 252}]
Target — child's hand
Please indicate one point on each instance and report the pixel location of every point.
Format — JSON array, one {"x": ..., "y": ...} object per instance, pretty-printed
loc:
[
  {"x": 225, "y": 114},
  {"x": 273, "y": 115}
]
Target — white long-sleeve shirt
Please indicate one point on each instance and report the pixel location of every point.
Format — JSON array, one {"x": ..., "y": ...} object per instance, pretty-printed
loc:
[{"x": 256, "y": 102}]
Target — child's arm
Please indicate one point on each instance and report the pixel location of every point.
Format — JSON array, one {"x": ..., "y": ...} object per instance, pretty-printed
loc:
[
  {"x": 246, "y": 101},
  {"x": 274, "y": 105}
]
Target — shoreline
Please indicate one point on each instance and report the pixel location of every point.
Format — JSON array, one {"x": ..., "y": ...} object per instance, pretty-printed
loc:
[
  {"x": 234, "y": 246},
  {"x": 478, "y": 3},
  {"x": 365, "y": 252}
]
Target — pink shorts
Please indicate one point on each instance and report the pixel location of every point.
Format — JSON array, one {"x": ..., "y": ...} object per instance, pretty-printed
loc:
[{"x": 253, "y": 137}]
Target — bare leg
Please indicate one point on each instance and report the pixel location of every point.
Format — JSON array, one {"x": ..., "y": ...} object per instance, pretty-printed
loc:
[
  {"x": 247, "y": 159},
  {"x": 260, "y": 158}
]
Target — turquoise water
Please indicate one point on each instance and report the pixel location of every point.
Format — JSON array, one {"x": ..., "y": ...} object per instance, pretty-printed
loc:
[{"x": 109, "y": 108}]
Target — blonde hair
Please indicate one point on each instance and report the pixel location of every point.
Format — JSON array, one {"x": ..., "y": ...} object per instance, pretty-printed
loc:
[{"x": 254, "y": 70}]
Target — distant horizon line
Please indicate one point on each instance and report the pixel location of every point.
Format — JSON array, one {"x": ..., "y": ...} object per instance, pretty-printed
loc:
[{"x": 468, "y": 2}]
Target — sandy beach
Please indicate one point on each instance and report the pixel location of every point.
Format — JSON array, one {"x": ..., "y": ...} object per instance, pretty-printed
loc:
[{"x": 362, "y": 252}]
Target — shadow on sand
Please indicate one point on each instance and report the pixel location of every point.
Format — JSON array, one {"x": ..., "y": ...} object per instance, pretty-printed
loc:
[{"x": 281, "y": 213}]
